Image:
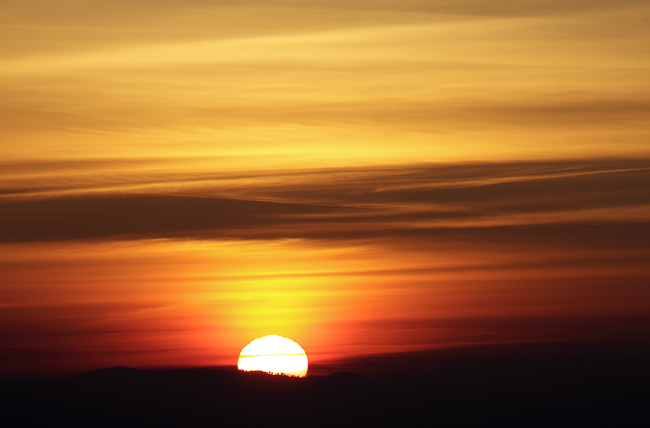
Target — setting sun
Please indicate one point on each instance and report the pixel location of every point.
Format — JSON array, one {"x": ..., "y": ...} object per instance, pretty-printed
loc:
[{"x": 274, "y": 354}]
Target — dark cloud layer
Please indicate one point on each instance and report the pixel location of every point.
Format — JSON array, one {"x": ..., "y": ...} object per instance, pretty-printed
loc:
[
  {"x": 135, "y": 216},
  {"x": 573, "y": 201}
]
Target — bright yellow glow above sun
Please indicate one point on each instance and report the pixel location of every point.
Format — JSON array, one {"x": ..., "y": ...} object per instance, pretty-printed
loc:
[{"x": 274, "y": 354}]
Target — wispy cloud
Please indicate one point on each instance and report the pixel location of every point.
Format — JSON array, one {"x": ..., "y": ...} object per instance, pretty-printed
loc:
[{"x": 417, "y": 199}]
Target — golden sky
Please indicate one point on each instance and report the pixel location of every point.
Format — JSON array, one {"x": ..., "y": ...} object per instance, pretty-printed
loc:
[{"x": 178, "y": 178}]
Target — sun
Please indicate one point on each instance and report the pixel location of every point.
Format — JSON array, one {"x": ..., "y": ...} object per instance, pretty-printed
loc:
[{"x": 274, "y": 354}]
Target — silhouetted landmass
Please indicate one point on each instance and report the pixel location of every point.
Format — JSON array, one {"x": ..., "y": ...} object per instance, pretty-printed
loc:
[{"x": 500, "y": 386}]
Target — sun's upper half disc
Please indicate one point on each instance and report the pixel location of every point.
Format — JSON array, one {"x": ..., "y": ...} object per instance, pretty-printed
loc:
[{"x": 274, "y": 354}]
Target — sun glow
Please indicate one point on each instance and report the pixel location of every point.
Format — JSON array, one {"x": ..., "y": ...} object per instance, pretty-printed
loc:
[{"x": 274, "y": 354}]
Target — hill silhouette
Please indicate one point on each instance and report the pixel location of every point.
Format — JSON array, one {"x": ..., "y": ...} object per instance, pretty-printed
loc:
[{"x": 531, "y": 386}]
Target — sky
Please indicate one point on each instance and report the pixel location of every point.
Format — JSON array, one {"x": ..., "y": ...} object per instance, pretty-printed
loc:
[{"x": 178, "y": 178}]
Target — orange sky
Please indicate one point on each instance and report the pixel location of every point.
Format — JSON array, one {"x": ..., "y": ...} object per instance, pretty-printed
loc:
[{"x": 179, "y": 178}]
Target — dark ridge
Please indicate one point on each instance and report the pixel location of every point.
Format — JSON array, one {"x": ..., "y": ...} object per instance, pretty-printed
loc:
[
  {"x": 348, "y": 379},
  {"x": 343, "y": 375},
  {"x": 500, "y": 387},
  {"x": 112, "y": 372}
]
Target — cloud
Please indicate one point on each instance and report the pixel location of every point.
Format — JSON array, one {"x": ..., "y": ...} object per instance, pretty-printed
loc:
[
  {"x": 136, "y": 216},
  {"x": 581, "y": 202},
  {"x": 359, "y": 81}
]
